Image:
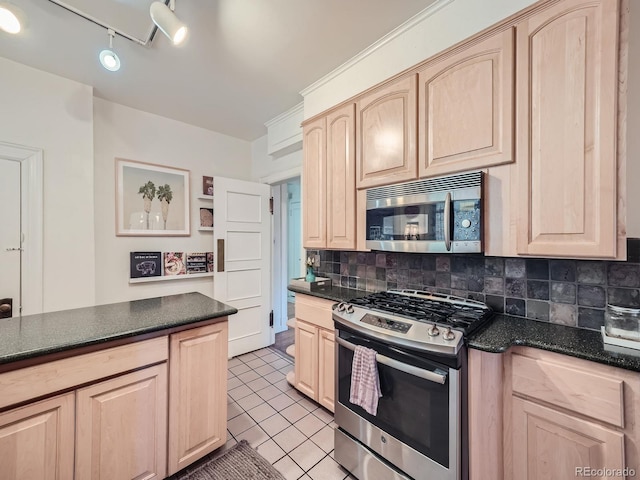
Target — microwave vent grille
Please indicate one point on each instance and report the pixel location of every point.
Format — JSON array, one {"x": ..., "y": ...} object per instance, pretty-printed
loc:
[{"x": 429, "y": 185}]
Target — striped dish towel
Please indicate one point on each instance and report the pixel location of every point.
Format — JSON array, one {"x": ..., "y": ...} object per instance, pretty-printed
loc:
[{"x": 365, "y": 382}]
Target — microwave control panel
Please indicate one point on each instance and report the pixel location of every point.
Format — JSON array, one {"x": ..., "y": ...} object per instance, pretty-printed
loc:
[{"x": 466, "y": 220}]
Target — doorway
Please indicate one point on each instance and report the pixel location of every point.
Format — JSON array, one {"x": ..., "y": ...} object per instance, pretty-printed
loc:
[
  {"x": 21, "y": 244},
  {"x": 288, "y": 255}
]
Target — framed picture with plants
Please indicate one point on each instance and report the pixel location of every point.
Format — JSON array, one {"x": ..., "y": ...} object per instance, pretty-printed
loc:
[{"x": 151, "y": 200}]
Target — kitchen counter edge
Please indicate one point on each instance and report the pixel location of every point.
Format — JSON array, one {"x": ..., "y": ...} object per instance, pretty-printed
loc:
[
  {"x": 337, "y": 294},
  {"x": 29, "y": 337}
]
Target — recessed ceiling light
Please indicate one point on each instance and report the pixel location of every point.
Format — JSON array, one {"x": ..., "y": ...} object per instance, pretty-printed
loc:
[
  {"x": 108, "y": 57},
  {"x": 110, "y": 60},
  {"x": 8, "y": 21}
]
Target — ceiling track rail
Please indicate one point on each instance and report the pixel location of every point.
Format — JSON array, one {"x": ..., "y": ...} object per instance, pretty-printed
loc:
[{"x": 92, "y": 19}]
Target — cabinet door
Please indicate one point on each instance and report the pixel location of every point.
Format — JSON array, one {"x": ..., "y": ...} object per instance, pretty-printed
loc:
[
  {"x": 197, "y": 393},
  {"x": 326, "y": 368},
  {"x": 341, "y": 179},
  {"x": 36, "y": 441},
  {"x": 386, "y": 134},
  {"x": 566, "y": 102},
  {"x": 465, "y": 108},
  {"x": 121, "y": 431},
  {"x": 314, "y": 185},
  {"x": 548, "y": 444},
  {"x": 306, "y": 366}
]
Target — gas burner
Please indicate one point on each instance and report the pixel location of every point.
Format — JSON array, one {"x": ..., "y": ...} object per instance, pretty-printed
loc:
[
  {"x": 427, "y": 307},
  {"x": 414, "y": 319}
]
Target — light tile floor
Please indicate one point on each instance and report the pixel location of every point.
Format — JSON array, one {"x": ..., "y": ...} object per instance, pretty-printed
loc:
[{"x": 291, "y": 431}]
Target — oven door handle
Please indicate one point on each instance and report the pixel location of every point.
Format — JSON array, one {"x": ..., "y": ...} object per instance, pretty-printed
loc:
[{"x": 436, "y": 377}]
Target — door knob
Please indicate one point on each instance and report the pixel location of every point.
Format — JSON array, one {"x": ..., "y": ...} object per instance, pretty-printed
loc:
[
  {"x": 14, "y": 249},
  {"x": 6, "y": 307}
]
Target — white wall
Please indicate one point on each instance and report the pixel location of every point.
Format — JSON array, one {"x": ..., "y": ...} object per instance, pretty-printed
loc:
[
  {"x": 124, "y": 132},
  {"x": 50, "y": 112},
  {"x": 270, "y": 169}
]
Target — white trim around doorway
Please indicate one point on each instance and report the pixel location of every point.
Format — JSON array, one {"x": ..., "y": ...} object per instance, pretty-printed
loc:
[{"x": 32, "y": 219}]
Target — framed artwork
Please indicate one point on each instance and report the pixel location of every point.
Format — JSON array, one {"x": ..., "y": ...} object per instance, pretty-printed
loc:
[
  {"x": 151, "y": 200},
  {"x": 207, "y": 186}
]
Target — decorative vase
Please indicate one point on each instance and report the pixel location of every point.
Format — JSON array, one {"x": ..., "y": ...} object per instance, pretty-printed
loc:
[{"x": 311, "y": 277}]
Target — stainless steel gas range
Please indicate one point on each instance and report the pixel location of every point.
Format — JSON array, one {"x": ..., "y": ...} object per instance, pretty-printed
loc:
[{"x": 420, "y": 427}]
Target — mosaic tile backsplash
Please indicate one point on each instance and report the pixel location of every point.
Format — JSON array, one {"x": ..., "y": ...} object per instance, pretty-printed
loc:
[{"x": 569, "y": 292}]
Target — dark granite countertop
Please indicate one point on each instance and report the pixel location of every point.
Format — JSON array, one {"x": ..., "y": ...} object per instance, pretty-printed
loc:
[
  {"x": 31, "y": 336},
  {"x": 337, "y": 294},
  {"x": 505, "y": 331}
]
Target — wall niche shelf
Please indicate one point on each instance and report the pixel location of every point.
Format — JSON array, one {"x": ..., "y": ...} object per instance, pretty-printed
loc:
[
  {"x": 205, "y": 229},
  {"x": 207, "y": 198},
  {"x": 170, "y": 277}
]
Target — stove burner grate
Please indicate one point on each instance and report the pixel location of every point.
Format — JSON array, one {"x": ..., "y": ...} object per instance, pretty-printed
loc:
[{"x": 457, "y": 313}]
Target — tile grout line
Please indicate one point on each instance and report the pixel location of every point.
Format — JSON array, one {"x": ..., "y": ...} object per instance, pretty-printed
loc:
[{"x": 309, "y": 407}]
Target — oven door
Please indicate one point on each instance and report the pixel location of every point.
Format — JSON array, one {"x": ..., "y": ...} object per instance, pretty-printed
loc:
[{"x": 417, "y": 425}]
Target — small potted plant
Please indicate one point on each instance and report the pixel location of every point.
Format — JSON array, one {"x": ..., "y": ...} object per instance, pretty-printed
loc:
[{"x": 311, "y": 276}]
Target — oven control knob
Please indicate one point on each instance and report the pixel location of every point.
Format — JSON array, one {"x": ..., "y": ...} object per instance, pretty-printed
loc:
[
  {"x": 433, "y": 330},
  {"x": 349, "y": 308},
  {"x": 448, "y": 334},
  {"x": 342, "y": 306}
]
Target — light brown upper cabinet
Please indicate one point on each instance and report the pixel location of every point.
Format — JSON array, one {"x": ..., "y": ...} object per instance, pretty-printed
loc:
[
  {"x": 329, "y": 192},
  {"x": 314, "y": 184},
  {"x": 386, "y": 134},
  {"x": 465, "y": 108},
  {"x": 566, "y": 67}
]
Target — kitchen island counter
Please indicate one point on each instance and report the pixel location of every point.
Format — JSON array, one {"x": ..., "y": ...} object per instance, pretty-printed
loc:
[{"x": 32, "y": 336}]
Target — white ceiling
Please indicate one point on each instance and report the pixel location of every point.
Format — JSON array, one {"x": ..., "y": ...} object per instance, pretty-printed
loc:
[{"x": 245, "y": 61}]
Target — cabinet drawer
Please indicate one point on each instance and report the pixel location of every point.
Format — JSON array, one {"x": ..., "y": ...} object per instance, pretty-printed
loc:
[
  {"x": 316, "y": 311},
  {"x": 33, "y": 382},
  {"x": 570, "y": 383}
]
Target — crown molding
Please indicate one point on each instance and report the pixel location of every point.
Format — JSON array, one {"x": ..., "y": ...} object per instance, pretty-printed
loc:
[{"x": 406, "y": 26}]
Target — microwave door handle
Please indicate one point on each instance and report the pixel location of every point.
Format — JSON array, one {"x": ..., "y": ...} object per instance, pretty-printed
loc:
[
  {"x": 403, "y": 367},
  {"x": 447, "y": 222}
]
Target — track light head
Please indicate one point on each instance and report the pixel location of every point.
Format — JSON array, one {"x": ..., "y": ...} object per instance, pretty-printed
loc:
[
  {"x": 108, "y": 57},
  {"x": 166, "y": 20}
]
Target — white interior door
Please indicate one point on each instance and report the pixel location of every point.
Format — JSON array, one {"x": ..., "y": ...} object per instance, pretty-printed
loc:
[
  {"x": 242, "y": 222},
  {"x": 10, "y": 237}
]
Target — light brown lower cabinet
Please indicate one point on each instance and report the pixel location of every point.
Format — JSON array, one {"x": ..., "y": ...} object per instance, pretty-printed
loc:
[
  {"x": 536, "y": 415},
  {"x": 548, "y": 443},
  {"x": 315, "y": 350},
  {"x": 138, "y": 411},
  {"x": 121, "y": 427},
  {"x": 315, "y": 361},
  {"x": 197, "y": 393},
  {"x": 36, "y": 441}
]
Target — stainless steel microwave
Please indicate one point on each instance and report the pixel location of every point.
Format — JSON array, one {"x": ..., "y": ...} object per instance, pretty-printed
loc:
[{"x": 435, "y": 215}]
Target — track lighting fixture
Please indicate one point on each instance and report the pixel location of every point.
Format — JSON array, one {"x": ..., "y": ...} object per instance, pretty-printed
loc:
[
  {"x": 165, "y": 19},
  {"x": 8, "y": 20},
  {"x": 108, "y": 58}
]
